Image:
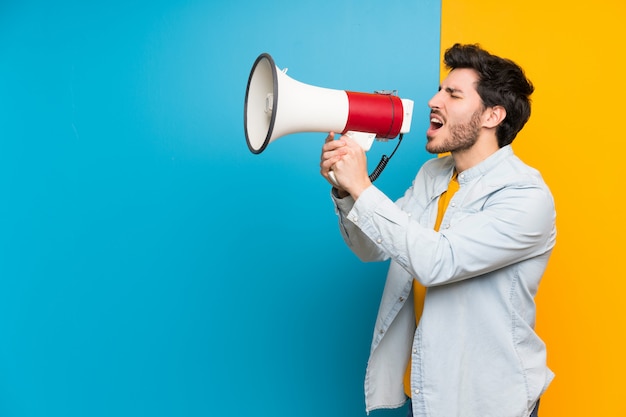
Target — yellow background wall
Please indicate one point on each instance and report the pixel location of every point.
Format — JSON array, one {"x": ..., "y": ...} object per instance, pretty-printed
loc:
[{"x": 574, "y": 52}]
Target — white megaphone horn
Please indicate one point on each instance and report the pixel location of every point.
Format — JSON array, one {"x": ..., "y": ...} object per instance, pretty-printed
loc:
[{"x": 277, "y": 105}]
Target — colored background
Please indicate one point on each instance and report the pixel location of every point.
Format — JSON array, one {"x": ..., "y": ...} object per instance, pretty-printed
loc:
[
  {"x": 573, "y": 52},
  {"x": 150, "y": 265}
]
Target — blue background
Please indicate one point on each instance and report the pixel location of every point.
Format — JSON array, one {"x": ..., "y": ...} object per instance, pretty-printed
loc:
[{"x": 150, "y": 265}]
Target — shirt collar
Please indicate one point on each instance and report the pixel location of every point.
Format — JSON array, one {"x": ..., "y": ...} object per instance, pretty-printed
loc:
[{"x": 478, "y": 170}]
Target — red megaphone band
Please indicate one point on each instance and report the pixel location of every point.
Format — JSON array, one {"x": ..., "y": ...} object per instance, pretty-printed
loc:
[{"x": 381, "y": 114}]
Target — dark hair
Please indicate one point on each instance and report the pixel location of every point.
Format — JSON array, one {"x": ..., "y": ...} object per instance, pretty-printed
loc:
[{"x": 501, "y": 82}]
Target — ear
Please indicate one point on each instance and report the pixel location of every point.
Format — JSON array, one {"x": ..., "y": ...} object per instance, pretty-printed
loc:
[{"x": 493, "y": 116}]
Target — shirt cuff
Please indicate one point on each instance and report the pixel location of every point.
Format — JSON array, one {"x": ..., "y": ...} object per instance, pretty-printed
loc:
[{"x": 343, "y": 204}]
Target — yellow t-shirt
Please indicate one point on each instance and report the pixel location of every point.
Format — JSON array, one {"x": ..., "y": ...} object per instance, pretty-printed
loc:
[{"x": 419, "y": 292}]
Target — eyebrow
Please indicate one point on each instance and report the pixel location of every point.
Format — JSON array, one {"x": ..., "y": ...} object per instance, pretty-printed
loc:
[{"x": 451, "y": 90}]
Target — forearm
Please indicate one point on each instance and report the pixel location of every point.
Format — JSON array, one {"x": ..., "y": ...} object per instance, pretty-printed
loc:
[
  {"x": 360, "y": 244},
  {"x": 507, "y": 231}
]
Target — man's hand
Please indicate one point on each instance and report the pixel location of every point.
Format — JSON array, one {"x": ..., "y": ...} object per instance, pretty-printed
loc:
[{"x": 348, "y": 162}]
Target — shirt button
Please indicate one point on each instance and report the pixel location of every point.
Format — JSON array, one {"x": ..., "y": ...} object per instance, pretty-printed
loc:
[
  {"x": 401, "y": 299},
  {"x": 379, "y": 240},
  {"x": 447, "y": 226},
  {"x": 416, "y": 391},
  {"x": 453, "y": 204},
  {"x": 414, "y": 350}
]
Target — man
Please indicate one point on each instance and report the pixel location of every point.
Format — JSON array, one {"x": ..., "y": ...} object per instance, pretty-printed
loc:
[{"x": 470, "y": 240}]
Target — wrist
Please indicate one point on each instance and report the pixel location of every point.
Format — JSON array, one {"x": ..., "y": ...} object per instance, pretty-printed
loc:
[
  {"x": 340, "y": 193},
  {"x": 356, "y": 191}
]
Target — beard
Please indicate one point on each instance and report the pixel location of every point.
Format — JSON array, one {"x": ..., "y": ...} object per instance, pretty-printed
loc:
[{"x": 462, "y": 136}]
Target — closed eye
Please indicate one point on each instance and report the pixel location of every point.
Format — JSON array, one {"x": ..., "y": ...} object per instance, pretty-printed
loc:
[{"x": 454, "y": 93}]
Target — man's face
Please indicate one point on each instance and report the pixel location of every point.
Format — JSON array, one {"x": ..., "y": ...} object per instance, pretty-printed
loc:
[{"x": 456, "y": 113}]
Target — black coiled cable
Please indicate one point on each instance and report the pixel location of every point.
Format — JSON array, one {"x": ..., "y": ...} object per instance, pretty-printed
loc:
[{"x": 384, "y": 160}]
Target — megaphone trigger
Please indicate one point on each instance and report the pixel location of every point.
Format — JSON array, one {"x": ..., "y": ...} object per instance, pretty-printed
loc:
[{"x": 364, "y": 139}]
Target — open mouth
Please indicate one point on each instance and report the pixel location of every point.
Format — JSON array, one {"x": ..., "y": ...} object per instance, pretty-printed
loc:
[{"x": 435, "y": 122}]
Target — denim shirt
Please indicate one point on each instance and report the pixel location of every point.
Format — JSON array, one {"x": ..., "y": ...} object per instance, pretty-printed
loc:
[{"x": 474, "y": 352}]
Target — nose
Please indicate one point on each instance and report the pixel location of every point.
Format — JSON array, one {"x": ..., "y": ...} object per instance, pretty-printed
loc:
[{"x": 435, "y": 102}]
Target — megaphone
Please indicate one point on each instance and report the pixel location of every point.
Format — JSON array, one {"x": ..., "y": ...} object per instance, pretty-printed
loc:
[{"x": 277, "y": 105}]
